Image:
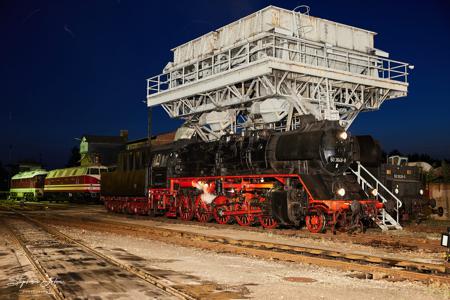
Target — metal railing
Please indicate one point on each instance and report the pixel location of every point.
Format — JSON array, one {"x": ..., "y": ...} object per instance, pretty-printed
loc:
[
  {"x": 271, "y": 45},
  {"x": 361, "y": 174}
]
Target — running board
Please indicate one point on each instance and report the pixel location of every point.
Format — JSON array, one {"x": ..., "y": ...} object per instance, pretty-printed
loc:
[{"x": 368, "y": 181}]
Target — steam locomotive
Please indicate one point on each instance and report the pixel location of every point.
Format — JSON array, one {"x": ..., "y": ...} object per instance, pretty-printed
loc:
[{"x": 261, "y": 176}]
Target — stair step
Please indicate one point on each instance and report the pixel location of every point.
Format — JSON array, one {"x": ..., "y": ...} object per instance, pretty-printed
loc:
[{"x": 384, "y": 220}]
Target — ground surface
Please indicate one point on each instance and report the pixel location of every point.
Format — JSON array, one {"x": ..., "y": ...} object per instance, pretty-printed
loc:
[
  {"x": 215, "y": 275},
  {"x": 16, "y": 272}
]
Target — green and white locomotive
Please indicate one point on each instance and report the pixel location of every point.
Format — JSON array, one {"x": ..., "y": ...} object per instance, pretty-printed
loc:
[{"x": 28, "y": 185}]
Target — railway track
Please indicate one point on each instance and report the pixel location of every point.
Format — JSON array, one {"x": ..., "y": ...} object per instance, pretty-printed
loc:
[
  {"x": 398, "y": 269},
  {"x": 71, "y": 269},
  {"x": 389, "y": 241},
  {"x": 377, "y": 240}
]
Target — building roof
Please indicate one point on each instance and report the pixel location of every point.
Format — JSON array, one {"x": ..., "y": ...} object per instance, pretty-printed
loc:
[
  {"x": 160, "y": 139},
  {"x": 105, "y": 139}
]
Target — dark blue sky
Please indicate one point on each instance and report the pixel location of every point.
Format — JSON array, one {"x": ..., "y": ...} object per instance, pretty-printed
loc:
[{"x": 74, "y": 67}]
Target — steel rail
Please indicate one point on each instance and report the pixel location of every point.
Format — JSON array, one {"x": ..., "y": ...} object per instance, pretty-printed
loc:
[
  {"x": 400, "y": 268},
  {"x": 144, "y": 275}
]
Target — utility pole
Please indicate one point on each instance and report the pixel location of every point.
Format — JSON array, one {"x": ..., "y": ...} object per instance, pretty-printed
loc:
[
  {"x": 149, "y": 124},
  {"x": 148, "y": 172},
  {"x": 10, "y": 145}
]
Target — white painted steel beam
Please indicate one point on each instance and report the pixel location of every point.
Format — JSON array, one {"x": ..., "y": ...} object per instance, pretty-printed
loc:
[
  {"x": 338, "y": 75},
  {"x": 210, "y": 83}
]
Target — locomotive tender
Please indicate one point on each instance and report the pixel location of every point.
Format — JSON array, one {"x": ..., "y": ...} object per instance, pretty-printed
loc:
[{"x": 288, "y": 178}]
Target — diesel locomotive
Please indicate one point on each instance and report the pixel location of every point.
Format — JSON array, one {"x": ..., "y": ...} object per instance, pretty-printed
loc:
[
  {"x": 266, "y": 177},
  {"x": 28, "y": 185},
  {"x": 76, "y": 184}
]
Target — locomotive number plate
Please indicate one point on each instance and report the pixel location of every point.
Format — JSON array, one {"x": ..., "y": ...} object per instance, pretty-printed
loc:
[{"x": 335, "y": 159}]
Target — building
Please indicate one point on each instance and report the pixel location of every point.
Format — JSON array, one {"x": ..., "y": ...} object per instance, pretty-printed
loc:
[
  {"x": 161, "y": 139},
  {"x": 97, "y": 149}
]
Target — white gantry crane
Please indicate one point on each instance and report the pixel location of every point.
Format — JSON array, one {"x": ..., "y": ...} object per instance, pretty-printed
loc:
[{"x": 271, "y": 69}]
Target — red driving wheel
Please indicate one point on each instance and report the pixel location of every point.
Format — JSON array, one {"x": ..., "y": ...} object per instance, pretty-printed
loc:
[
  {"x": 203, "y": 211},
  {"x": 268, "y": 222},
  {"x": 219, "y": 215},
  {"x": 185, "y": 209},
  {"x": 244, "y": 219}
]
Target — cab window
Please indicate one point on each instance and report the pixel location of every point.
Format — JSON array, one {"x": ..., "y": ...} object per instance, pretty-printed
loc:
[
  {"x": 156, "y": 160},
  {"x": 94, "y": 171}
]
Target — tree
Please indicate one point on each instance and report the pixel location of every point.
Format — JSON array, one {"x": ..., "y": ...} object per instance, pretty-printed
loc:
[
  {"x": 75, "y": 157},
  {"x": 395, "y": 152}
]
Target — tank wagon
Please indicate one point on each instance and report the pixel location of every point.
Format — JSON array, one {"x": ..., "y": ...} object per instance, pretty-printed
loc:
[
  {"x": 76, "y": 184},
  {"x": 265, "y": 177},
  {"x": 28, "y": 185}
]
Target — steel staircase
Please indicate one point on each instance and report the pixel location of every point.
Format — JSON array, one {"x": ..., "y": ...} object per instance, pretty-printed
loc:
[{"x": 367, "y": 180}]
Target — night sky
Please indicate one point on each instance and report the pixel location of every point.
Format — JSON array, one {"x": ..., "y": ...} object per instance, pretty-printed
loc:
[{"x": 74, "y": 67}]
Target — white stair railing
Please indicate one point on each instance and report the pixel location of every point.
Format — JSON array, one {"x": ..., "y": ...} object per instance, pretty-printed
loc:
[{"x": 386, "y": 219}]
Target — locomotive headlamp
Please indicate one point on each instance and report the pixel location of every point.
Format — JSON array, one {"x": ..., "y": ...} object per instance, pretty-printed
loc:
[
  {"x": 396, "y": 190},
  {"x": 444, "y": 240},
  {"x": 421, "y": 191},
  {"x": 341, "y": 192},
  {"x": 343, "y": 135},
  {"x": 374, "y": 192}
]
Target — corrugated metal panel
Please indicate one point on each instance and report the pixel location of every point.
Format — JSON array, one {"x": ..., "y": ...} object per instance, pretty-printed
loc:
[
  {"x": 308, "y": 27},
  {"x": 328, "y": 32}
]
